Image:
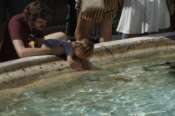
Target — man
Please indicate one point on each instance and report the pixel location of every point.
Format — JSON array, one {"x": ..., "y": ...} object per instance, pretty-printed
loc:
[
  {"x": 21, "y": 26},
  {"x": 95, "y": 12},
  {"x": 30, "y": 24}
]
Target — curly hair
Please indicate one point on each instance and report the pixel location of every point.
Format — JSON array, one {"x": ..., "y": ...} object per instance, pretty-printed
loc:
[{"x": 85, "y": 46}]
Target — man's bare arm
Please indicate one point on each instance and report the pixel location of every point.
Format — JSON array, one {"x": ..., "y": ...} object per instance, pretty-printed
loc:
[{"x": 22, "y": 51}]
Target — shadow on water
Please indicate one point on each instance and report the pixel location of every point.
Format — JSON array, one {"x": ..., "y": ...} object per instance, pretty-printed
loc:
[{"x": 170, "y": 66}]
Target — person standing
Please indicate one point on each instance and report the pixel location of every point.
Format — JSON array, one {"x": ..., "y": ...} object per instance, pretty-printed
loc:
[
  {"x": 98, "y": 15},
  {"x": 16, "y": 6},
  {"x": 143, "y": 16}
]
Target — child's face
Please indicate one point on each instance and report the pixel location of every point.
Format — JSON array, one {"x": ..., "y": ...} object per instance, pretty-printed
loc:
[{"x": 83, "y": 49}]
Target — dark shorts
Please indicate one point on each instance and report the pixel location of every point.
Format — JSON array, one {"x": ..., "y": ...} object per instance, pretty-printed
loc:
[
  {"x": 99, "y": 15},
  {"x": 65, "y": 44}
]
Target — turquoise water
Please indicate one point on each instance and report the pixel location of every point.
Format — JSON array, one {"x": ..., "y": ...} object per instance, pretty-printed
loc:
[{"x": 137, "y": 89}]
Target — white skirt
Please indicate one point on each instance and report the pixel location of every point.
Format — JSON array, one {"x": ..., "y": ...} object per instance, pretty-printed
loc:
[{"x": 143, "y": 16}]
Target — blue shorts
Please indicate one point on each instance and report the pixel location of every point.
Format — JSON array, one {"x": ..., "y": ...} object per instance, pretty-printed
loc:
[{"x": 65, "y": 44}]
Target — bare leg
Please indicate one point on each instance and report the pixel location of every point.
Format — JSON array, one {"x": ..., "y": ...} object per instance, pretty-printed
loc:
[
  {"x": 83, "y": 29},
  {"x": 106, "y": 31}
]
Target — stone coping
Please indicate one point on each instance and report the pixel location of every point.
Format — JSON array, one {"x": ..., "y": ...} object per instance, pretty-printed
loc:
[
  {"x": 18, "y": 63},
  {"x": 33, "y": 66}
]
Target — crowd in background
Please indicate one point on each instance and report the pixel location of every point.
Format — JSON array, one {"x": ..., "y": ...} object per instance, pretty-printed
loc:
[{"x": 128, "y": 18}]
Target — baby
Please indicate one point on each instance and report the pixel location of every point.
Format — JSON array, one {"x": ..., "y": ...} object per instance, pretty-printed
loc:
[
  {"x": 77, "y": 52},
  {"x": 83, "y": 50}
]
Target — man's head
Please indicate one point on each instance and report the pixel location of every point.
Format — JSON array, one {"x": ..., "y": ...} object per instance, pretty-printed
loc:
[
  {"x": 83, "y": 49},
  {"x": 37, "y": 15}
]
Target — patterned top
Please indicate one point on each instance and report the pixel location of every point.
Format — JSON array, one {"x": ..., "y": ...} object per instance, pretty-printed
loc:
[{"x": 101, "y": 14}]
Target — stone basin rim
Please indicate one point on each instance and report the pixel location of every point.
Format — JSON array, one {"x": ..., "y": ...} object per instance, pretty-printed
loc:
[{"x": 15, "y": 68}]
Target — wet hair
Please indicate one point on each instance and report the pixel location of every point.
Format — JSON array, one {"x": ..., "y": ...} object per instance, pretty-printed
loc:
[
  {"x": 37, "y": 9},
  {"x": 86, "y": 46}
]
